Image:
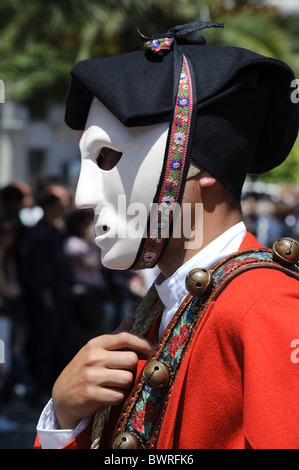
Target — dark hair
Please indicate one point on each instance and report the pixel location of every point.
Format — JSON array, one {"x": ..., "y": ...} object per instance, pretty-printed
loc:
[
  {"x": 11, "y": 193},
  {"x": 78, "y": 221},
  {"x": 45, "y": 200},
  {"x": 233, "y": 202}
]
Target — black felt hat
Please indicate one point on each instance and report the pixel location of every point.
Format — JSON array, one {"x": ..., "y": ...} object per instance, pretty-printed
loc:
[{"x": 246, "y": 121}]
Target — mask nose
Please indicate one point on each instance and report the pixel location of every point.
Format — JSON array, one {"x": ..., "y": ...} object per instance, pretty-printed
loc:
[{"x": 89, "y": 187}]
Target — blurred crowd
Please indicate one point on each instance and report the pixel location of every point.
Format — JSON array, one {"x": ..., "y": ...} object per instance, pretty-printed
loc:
[
  {"x": 272, "y": 214},
  {"x": 54, "y": 293}
]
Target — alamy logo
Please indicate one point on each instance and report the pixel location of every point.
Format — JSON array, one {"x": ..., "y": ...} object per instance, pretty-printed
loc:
[
  {"x": 2, "y": 92},
  {"x": 295, "y": 353},
  {"x": 161, "y": 217},
  {"x": 295, "y": 93},
  {"x": 2, "y": 352}
]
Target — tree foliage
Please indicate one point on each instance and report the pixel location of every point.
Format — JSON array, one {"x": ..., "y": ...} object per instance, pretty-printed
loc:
[{"x": 42, "y": 41}]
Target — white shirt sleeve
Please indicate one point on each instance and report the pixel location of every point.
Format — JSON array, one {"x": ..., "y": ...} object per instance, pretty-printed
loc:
[{"x": 50, "y": 435}]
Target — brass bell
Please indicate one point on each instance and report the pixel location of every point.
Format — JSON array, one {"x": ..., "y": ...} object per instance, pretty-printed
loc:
[
  {"x": 156, "y": 375},
  {"x": 199, "y": 281},
  {"x": 125, "y": 440},
  {"x": 286, "y": 251}
]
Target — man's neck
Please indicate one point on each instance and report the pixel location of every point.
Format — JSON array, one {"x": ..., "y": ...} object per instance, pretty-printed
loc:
[{"x": 176, "y": 254}]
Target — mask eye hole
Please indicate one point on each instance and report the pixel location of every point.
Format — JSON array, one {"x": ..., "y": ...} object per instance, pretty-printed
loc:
[{"x": 108, "y": 158}]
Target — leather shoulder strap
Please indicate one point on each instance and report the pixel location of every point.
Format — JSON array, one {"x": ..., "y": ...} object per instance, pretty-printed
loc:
[
  {"x": 143, "y": 412},
  {"x": 234, "y": 265}
]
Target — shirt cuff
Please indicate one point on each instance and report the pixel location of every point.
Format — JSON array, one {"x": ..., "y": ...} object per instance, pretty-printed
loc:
[{"x": 48, "y": 431}]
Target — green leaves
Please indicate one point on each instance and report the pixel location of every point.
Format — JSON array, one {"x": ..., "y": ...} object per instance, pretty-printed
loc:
[{"x": 41, "y": 41}]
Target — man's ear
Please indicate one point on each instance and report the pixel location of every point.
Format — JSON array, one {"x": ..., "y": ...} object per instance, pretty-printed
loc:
[{"x": 206, "y": 179}]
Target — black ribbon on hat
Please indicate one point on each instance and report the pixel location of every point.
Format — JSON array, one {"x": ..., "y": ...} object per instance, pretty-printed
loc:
[
  {"x": 161, "y": 43},
  {"x": 182, "y": 30}
]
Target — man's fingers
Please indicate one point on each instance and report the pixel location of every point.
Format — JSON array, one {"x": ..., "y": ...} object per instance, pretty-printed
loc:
[
  {"x": 111, "y": 396},
  {"x": 118, "y": 379},
  {"x": 124, "y": 340},
  {"x": 126, "y": 360}
]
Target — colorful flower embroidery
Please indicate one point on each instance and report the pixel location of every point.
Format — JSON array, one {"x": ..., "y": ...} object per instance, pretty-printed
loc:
[
  {"x": 184, "y": 332},
  {"x": 182, "y": 117},
  {"x": 137, "y": 420},
  {"x": 175, "y": 164},
  {"x": 179, "y": 138},
  {"x": 173, "y": 346},
  {"x": 168, "y": 200},
  {"x": 183, "y": 77},
  {"x": 179, "y": 124},
  {"x": 183, "y": 101},
  {"x": 231, "y": 265},
  {"x": 156, "y": 45},
  {"x": 169, "y": 188},
  {"x": 167, "y": 205},
  {"x": 248, "y": 258},
  {"x": 161, "y": 225},
  {"x": 149, "y": 256},
  {"x": 238, "y": 261}
]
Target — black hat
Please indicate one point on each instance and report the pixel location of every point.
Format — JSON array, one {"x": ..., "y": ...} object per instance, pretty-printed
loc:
[{"x": 246, "y": 121}]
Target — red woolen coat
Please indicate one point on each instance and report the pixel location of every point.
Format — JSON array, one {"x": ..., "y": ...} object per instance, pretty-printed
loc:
[{"x": 238, "y": 385}]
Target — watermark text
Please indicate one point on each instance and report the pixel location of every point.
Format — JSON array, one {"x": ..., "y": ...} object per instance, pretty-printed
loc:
[
  {"x": 295, "y": 354},
  {"x": 2, "y": 91},
  {"x": 295, "y": 93},
  {"x": 161, "y": 221},
  {"x": 2, "y": 352}
]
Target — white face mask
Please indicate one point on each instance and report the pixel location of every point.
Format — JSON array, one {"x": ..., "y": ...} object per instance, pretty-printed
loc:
[{"x": 120, "y": 187}]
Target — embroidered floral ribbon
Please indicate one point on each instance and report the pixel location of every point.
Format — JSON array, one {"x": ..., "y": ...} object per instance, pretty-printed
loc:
[
  {"x": 162, "y": 214},
  {"x": 161, "y": 218},
  {"x": 157, "y": 45},
  {"x": 160, "y": 43},
  {"x": 144, "y": 409}
]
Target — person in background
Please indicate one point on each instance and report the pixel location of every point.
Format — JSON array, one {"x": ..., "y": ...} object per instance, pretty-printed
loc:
[
  {"x": 53, "y": 331},
  {"x": 10, "y": 292},
  {"x": 11, "y": 200},
  {"x": 88, "y": 283}
]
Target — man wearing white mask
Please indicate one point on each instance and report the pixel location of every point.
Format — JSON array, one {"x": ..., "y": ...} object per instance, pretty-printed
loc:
[{"x": 181, "y": 125}]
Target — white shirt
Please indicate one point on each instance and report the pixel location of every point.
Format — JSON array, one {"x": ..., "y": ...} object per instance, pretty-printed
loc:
[{"x": 172, "y": 292}]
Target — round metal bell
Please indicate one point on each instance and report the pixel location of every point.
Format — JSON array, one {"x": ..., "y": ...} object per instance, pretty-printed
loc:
[
  {"x": 286, "y": 251},
  {"x": 156, "y": 375},
  {"x": 199, "y": 281},
  {"x": 125, "y": 440}
]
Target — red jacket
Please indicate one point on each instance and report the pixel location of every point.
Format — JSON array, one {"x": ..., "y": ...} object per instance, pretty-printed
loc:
[{"x": 238, "y": 384}]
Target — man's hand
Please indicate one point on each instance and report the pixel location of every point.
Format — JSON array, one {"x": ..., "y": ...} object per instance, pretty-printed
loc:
[{"x": 98, "y": 375}]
